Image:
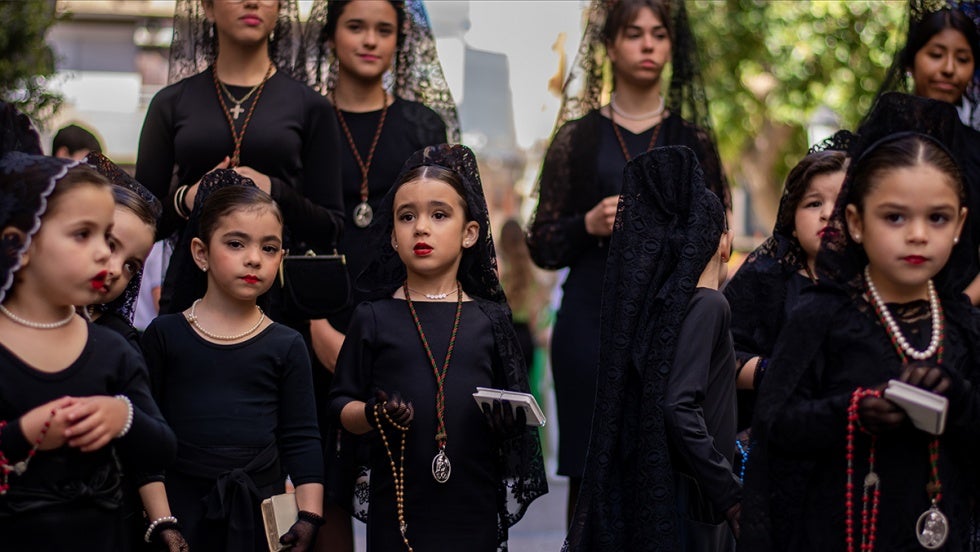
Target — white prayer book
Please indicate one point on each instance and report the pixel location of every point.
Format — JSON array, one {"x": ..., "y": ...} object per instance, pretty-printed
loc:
[
  {"x": 927, "y": 410},
  {"x": 516, "y": 399}
]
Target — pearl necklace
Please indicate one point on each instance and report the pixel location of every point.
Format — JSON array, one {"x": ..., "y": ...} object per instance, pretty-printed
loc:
[
  {"x": 631, "y": 117},
  {"x": 38, "y": 325},
  {"x": 192, "y": 318},
  {"x": 436, "y": 296},
  {"x": 893, "y": 328}
]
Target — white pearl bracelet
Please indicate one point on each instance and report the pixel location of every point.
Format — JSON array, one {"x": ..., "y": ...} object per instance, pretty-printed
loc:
[
  {"x": 129, "y": 417},
  {"x": 155, "y": 523}
]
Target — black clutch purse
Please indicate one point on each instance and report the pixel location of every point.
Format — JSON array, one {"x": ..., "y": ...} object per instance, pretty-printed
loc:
[{"x": 314, "y": 286}]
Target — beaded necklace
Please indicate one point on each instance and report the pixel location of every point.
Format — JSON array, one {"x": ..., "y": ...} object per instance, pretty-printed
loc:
[
  {"x": 932, "y": 527},
  {"x": 192, "y": 318},
  {"x": 363, "y": 214},
  {"x": 441, "y": 467},
  {"x": 397, "y": 470},
  {"x": 237, "y": 136},
  {"x": 622, "y": 142},
  {"x": 39, "y": 325}
]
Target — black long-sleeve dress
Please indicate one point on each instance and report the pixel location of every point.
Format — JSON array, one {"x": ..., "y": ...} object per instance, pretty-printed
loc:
[
  {"x": 67, "y": 499},
  {"x": 292, "y": 138},
  {"x": 585, "y": 164},
  {"x": 833, "y": 344},
  {"x": 383, "y": 351},
  {"x": 244, "y": 416}
]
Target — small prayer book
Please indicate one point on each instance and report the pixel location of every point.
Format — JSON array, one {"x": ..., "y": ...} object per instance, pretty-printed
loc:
[
  {"x": 927, "y": 410},
  {"x": 516, "y": 399},
  {"x": 279, "y": 513}
]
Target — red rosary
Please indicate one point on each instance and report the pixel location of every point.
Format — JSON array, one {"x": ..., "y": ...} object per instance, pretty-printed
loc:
[{"x": 20, "y": 467}]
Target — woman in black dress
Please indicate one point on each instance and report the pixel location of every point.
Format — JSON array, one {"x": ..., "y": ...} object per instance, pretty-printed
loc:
[
  {"x": 437, "y": 327},
  {"x": 582, "y": 176},
  {"x": 240, "y": 108},
  {"x": 938, "y": 61}
]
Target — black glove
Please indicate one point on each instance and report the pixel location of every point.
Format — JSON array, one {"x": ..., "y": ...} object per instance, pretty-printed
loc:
[
  {"x": 398, "y": 410},
  {"x": 171, "y": 540},
  {"x": 502, "y": 419},
  {"x": 302, "y": 535},
  {"x": 879, "y": 415},
  {"x": 928, "y": 376}
]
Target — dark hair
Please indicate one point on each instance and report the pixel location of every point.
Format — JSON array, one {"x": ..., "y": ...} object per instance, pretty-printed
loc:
[
  {"x": 76, "y": 177},
  {"x": 135, "y": 204},
  {"x": 799, "y": 178},
  {"x": 335, "y": 8},
  {"x": 75, "y": 138},
  {"x": 921, "y": 32},
  {"x": 623, "y": 12},
  {"x": 224, "y": 201},
  {"x": 904, "y": 150},
  {"x": 442, "y": 174}
]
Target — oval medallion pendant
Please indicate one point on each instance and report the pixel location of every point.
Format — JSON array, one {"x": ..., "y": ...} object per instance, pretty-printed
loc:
[
  {"x": 932, "y": 528},
  {"x": 441, "y": 468},
  {"x": 363, "y": 215}
]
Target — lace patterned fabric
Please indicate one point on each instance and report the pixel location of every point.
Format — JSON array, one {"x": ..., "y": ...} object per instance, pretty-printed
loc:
[
  {"x": 667, "y": 228},
  {"x": 195, "y": 45},
  {"x": 417, "y": 74}
]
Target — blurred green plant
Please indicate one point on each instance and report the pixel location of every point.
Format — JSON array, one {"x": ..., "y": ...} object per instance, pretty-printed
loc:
[
  {"x": 26, "y": 61},
  {"x": 768, "y": 66}
]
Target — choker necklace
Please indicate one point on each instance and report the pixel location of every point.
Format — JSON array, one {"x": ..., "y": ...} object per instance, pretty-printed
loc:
[
  {"x": 622, "y": 143},
  {"x": 237, "y": 136},
  {"x": 643, "y": 117},
  {"x": 38, "y": 325},
  {"x": 441, "y": 467},
  {"x": 192, "y": 318},
  {"x": 896, "y": 333},
  {"x": 436, "y": 296},
  {"x": 363, "y": 214}
]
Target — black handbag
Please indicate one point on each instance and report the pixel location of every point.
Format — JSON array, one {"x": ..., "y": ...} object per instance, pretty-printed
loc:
[{"x": 314, "y": 286}]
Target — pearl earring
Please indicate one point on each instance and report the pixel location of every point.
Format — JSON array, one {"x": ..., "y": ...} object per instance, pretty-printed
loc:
[
  {"x": 857, "y": 238},
  {"x": 395, "y": 246},
  {"x": 956, "y": 240},
  {"x": 204, "y": 268}
]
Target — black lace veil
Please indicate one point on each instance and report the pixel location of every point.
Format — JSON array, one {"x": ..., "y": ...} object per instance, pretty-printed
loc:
[
  {"x": 840, "y": 263},
  {"x": 416, "y": 74},
  {"x": 195, "y": 45},
  {"x": 586, "y": 87},
  {"x": 898, "y": 78},
  {"x": 17, "y": 132},
  {"x": 667, "y": 228},
  {"x": 522, "y": 468},
  {"x": 125, "y": 304},
  {"x": 185, "y": 282}
]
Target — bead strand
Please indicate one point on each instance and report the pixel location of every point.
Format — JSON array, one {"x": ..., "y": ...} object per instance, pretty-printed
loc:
[
  {"x": 192, "y": 318},
  {"x": 397, "y": 470},
  {"x": 20, "y": 467},
  {"x": 871, "y": 495},
  {"x": 896, "y": 333}
]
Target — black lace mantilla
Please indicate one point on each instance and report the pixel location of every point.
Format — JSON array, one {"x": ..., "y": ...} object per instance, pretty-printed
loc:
[{"x": 666, "y": 230}]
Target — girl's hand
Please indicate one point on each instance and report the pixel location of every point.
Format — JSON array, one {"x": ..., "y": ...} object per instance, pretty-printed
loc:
[
  {"x": 32, "y": 423},
  {"x": 927, "y": 376},
  {"x": 599, "y": 220},
  {"x": 172, "y": 540},
  {"x": 878, "y": 415},
  {"x": 398, "y": 409},
  {"x": 262, "y": 181},
  {"x": 503, "y": 421},
  {"x": 95, "y": 421},
  {"x": 300, "y": 536},
  {"x": 192, "y": 190}
]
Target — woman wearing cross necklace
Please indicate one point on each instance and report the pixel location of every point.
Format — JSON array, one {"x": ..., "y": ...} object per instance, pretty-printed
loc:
[
  {"x": 242, "y": 109},
  {"x": 583, "y": 172}
]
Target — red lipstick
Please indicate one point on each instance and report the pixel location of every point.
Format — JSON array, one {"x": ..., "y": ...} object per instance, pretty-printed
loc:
[
  {"x": 827, "y": 231},
  {"x": 250, "y": 279},
  {"x": 422, "y": 249},
  {"x": 98, "y": 282},
  {"x": 914, "y": 259}
]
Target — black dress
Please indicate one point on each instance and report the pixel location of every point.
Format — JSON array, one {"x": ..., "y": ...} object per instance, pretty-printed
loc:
[
  {"x": 67, "y": 499},
  {"x": 383, "y": 351},
  {"x": 292, "y": 138},
  {"x": 558, "y": 239},
  {"x": 795, "y": 485},
  {"x": 244, "y": 417}
]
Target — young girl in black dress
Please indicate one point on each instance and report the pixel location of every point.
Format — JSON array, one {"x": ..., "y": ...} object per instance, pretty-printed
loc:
[
  {"x": 75, "y": 404},
  {"x": 442, "y": 477},
  {"x": 133, "y": 228},
  {"x": 234, "y": 385},
  {"x": 834, "y": 463}
]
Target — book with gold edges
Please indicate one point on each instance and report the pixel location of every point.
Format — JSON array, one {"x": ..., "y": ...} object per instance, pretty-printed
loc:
[{"x": 279, "y": 513}]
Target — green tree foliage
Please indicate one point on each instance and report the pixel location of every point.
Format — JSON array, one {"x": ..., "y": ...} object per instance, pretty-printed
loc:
[
  {"x": 768, "y": 65},
  {"x": 26, "y": 61}
]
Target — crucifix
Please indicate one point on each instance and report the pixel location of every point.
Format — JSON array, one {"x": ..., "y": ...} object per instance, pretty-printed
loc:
[{"x": 236, "y": 111}]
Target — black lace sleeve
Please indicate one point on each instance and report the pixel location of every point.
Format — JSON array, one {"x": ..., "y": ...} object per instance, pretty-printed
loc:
[{"x": 557, "y": 233}]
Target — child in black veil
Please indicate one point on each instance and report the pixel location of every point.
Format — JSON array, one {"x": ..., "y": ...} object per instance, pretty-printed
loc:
[
  {"x": 664, "y": 421},
  {"x": 442, "y": 477},
  {"x": 833, "y": 462}
]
